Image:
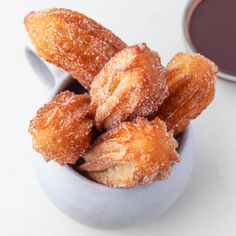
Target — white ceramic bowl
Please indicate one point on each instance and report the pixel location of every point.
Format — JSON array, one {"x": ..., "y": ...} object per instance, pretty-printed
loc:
[{"x": 98, "y": 206}]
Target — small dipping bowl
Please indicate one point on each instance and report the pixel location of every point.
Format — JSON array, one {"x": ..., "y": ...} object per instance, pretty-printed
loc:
[
  {"x": 96, "y": 205},
  {"x": 209, "y": 28}
]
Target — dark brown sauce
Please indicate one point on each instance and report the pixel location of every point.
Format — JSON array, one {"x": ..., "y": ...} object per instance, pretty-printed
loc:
[{"x": 212, "y": 30}]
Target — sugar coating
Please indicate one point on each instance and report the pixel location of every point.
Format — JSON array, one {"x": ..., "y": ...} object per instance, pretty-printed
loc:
[
  {"x": 72, "y": 41},
  {"x": 61, "y": 130},
  {"x": 191, "y": 81},
  {"x": 133, "y": 153},
  {"x": 131, "y": 84}
]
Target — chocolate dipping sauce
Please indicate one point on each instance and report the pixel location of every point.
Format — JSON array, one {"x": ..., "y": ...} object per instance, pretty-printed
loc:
[{"x": 212, "y": 30}]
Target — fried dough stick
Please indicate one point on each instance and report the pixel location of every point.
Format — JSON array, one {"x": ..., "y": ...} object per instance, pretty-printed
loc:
[
  {"x": 133, "y": 153},
  {"x": 72, "y": 41},
  {"x": 191, "y": 81},
  {"x": 61, "y": 130},
  {"x": 131, "y": 84}
]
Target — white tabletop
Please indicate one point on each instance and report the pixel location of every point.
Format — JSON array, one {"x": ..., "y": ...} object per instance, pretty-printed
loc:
[{"x": 208, "y": 205}]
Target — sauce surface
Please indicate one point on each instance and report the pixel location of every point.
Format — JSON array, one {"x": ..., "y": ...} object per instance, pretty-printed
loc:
[{"x": 212, "y": 30}]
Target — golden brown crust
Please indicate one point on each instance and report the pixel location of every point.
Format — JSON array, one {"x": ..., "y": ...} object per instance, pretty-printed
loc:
[
  {"x": 133, "y": 153},
  {"x": 191, "y": 81},
  {"x": 72, "y": 41},
  {"x": 61, "y": 130},
  {"x": 131, "y": 84}
]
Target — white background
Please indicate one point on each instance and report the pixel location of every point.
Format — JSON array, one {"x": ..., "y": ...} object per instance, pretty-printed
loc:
[{"x": 208, "y": 205}]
